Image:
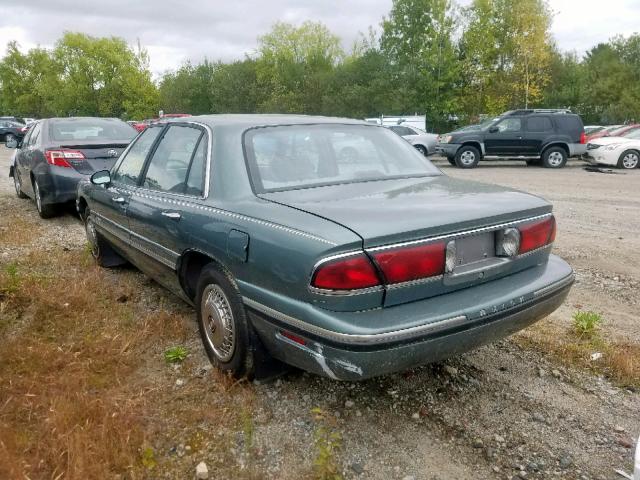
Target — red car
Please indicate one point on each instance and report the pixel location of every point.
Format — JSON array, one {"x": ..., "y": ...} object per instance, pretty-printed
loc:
[{"x": 615, "y": 131}]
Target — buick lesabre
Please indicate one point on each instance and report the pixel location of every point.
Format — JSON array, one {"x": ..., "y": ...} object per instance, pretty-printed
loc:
[{"x": 329, "y": 244}]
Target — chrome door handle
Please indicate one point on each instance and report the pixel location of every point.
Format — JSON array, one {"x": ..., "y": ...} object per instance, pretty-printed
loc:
[
  {"x": 172, "y": 215},
  {"x": 117, "y": 199}
]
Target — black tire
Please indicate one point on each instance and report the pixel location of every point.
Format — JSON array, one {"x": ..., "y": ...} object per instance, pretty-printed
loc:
[
  {"x": 45, "y": 211},
  {"x": 467, "y": 157},
  {"x": 219, "y": 307},
  {"x": 101, "y": 251},
  {"x": 422, "y": 149},
  {"x": 629, "y": 159},
  {"x": 17, "y": 184},
  {"x": 554, "y": 157},
  {"x": 451, "y": 160}
]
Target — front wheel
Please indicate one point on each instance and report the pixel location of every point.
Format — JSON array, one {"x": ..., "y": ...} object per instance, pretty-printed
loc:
[
  {"x": 629, "y": 160},
  {"x": 17, "y": 184},
  {"x": 223, "y": 324},
  {"x": 554, "y": 157},
  {"x": 467, "y": 157},
  {"x": 451, "y": 161}
]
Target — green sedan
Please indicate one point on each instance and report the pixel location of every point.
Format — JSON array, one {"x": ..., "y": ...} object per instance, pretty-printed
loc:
[{"x": 328, "y": 244}]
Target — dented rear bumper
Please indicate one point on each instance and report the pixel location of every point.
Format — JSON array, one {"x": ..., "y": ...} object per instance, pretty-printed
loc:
[{"x": 483, "y": 314}]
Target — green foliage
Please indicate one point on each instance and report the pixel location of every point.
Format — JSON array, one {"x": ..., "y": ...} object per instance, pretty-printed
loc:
[
  {"x": 10, "y": 281},
  {"x": 586, "y": 323},
  {"x": 327, "y": 443},
  {"x": 176, "y": 354},
  {"x": 148, "y": 458}
]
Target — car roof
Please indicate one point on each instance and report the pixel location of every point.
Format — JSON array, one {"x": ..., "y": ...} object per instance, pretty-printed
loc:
[{"x": 256, "y": 120}]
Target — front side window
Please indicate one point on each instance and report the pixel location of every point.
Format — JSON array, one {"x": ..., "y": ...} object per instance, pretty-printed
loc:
[
  {"x": 128, "y": 172},
  {"x": 301, "y": 156},
  {"x": 169, "y": 165},
  {"x": 509, "y": 125}
]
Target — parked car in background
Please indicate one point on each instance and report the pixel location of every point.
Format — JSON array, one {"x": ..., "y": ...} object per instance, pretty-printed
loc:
[
  {"x": 538, "y": 136},
  {"x": 416, "y": 121},
  {"x": 591, "y": 129},
  {"x": 29, "y": 121},
  {"x": 14, "y": 119},
  {"x": 422, "y": 141},
  {"x": 58, "y": 152},
  {"x": 622, "y": 152},
  {"x": 346, "y": 267},
  {"x": 603, "y": 132},
  {"x": 11, "y": 130}
]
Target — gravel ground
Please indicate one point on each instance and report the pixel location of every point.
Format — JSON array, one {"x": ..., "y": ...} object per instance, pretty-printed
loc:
[{"x": 499, "y": 412}]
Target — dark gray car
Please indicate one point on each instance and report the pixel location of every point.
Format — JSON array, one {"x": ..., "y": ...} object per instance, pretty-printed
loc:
[{"x": 57, "y": 152}]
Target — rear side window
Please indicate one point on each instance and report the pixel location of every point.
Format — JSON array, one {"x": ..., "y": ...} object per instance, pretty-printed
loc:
[
  {"x": 128, "y": 172},
  {"x": 169, "y": 165},
  {"x": 196, "y": 178},
  {"x": 539, "y": 124}
]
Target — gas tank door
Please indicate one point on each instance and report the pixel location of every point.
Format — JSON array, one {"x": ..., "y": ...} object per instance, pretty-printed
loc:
[{"x": 238, "y": 245}]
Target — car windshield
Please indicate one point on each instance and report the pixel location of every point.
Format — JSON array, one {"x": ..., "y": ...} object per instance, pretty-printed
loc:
[
  {"x": 633, "y": 134},
  {"x": 94, "y": 129},
  {"x": 301, "y": 156}
]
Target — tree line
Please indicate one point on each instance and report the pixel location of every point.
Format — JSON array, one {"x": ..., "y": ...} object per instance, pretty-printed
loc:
[{"x": 453, "y": 64}]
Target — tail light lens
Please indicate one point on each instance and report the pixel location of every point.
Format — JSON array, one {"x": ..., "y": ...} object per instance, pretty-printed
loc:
[
  {"x": 537, "y": 234},
  {"x": 350, "y": 273},
  {"x": 59, "y": 157},
  {"x": 583, "y": 138},
  {"x": 412, "y": 263}
]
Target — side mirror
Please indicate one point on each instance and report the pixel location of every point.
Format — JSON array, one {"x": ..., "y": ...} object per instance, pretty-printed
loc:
[
  {"x": 12, "y": 142},
  {"x": 494, "y": 130},
  {"x": 101, "y": 177}
]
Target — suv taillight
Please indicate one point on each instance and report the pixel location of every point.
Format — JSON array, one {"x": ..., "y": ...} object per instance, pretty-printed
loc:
[
  {"x": 537, "y": 234},
  {"x": 349, "y": 273},
  {"x": 583, "y": 138},
  {"x": 59, "y": 157}
]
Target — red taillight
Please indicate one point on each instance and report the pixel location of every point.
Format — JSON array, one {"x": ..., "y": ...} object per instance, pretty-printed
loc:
[
  {"x": 583, "y": 138},
  {"x": 537, "y": 234},
  {"x": 348, "y": 273},
  {"x": 59, "y": 157},
  {"x": 411, "y": 263}
]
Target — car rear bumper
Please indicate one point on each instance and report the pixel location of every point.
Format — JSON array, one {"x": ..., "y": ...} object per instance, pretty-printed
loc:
[
  {"x": 59, "y": 185},
  {"x": 577, "y": 149},
  {"x": 445, "y": 325}
]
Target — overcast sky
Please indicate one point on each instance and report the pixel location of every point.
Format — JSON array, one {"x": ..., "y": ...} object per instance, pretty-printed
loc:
[{"x": 174, "y": 31}]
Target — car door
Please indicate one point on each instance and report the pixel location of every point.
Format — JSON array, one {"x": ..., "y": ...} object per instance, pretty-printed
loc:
[
  {"x": 167, "y": 195},
  {"x": 110, "y": 202},
  {"x": 504, "y": 137},
  {"x": 537, "y": 129}
]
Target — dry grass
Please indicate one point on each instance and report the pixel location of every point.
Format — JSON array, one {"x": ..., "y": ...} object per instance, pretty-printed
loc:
[
  {"x": 76, "y": 400},
  {"x": 620, "y": 361},
  {"x": 16, "y": 229}
]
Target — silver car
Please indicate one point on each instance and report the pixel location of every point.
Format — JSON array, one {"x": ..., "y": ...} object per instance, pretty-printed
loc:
[{"x": 424, "y": 142}]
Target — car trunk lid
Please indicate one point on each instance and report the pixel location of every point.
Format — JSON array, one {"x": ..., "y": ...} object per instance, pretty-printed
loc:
[{"x": 98, "y": 156}]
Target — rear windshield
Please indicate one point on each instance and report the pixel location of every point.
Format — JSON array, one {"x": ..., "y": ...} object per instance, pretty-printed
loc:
[
  {"x": 98, "y": 129},
  {"x": 300, "y": 156}
]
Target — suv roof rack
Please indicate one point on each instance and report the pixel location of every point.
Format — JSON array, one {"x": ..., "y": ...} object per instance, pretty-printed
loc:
[{"x": 537, "y": 110}]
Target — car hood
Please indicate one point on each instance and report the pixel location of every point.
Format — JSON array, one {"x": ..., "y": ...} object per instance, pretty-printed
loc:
[
  {"x": 610, "y": 140},
  {"x": 390, "y": 211}
]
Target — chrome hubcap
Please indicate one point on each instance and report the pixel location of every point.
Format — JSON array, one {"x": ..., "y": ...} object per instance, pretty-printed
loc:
[
  {"x": 92, "y": 237},
  {"x": 218, "y": 321},
  {"x": 468, "y": 157},
  {"x": 630, "y": 160},
  {"x": 555, "y": 159},
  {"x": 38, "y": 199}
]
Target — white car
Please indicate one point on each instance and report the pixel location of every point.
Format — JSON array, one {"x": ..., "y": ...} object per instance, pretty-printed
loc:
[
  {"x": 621, "y": 152},
  {"x": 424, "y": 142}
]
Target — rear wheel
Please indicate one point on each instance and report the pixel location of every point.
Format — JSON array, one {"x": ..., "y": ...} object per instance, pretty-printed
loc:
[
  {"x": 629, "y": 159},
  {"x": 223, "y": 324},
  {"x": 467, "y": 157},
  {"x": 554, "y": 157},
  {"x": 45, "y": 211},
  {"x": 17, "y": 184},
  {"x": 422, "y": 149}
]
